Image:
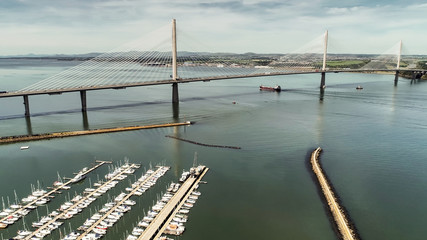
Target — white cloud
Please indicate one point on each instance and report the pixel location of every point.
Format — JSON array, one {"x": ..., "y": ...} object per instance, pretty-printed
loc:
[{"x": 239, "y": 26}]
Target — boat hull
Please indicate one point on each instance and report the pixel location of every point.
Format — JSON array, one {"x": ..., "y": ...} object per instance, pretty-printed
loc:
[{"x": 273, "y": 89}]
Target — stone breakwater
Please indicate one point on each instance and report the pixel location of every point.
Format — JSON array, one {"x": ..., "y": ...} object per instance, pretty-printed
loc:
[
  {"x": 203, "y": 144},
  {"x": 42, "y": 136},
  {"x": 347, "y": 232}
]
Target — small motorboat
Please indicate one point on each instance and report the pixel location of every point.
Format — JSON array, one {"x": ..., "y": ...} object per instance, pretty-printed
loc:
[
  {"x": 24, "y": 147},
  {"x": 359, "y": 87}
]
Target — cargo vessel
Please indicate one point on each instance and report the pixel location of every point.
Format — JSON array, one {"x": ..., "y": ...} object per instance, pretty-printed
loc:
[{"x": 275, "y": 88}]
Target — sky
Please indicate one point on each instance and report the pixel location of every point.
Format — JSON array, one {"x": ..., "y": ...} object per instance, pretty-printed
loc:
[{"x": 260, "y": 26}]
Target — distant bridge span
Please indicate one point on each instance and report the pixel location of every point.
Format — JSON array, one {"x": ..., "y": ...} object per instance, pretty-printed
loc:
[
  {"x": 189, "y": 80},
  {"x": 175, "y": 83},
  {"x": 124, "y": 69}
]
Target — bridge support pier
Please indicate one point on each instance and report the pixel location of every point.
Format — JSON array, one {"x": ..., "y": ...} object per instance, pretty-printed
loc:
[
  {"x": 175, "y": 97},
  {"x": 83, "y": 100},
  {"x": 27, "y": 106},
  {"x": 396, "y": 78},
  {"x": 323, "y": 80}
]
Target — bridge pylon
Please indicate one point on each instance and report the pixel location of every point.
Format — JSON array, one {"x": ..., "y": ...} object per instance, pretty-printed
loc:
[
  {"x": 325, "y": 53},
  {"x": 399, "y": 54},
  {"x": 175, "y": 96}
]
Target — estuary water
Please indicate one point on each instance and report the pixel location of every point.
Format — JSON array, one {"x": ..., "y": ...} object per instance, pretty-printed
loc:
[{"x": 373, "y": 139}]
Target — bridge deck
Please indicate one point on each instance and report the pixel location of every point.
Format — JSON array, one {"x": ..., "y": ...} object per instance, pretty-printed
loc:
[{"x": 187, "y": 80}]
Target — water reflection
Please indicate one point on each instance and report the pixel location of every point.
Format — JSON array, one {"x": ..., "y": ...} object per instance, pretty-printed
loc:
[
  {"x": 85, "y": 120},
  {"x": 319, "y": 122},
  {"x": 322, "y": 94},
  {"x": 176, "y": 147},
  {"x": 29, "y": 126},
  {"x": 175, "y": 111}
]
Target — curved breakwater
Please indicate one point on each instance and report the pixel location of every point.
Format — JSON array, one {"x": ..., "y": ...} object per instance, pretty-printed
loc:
[{"x": 346, "y": 229}]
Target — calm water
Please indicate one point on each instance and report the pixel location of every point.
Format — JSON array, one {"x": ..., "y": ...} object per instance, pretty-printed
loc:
[{"x": 373, "y": 141}]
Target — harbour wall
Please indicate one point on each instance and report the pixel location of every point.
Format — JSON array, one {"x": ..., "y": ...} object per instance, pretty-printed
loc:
[
  {"x": 42, "y": 136},
  {"x": 342, "y": 223}
]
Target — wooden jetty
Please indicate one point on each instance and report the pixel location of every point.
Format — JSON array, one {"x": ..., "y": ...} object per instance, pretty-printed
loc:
[
  {"x": 26, "y": 138},
  {"x": 53, "y": 191},
  {"x": 161, "y": 221},
  {"x": 118, "y": 204},
  {"x": 347, "y": 233},
  {"x": 78, "y": 202}
]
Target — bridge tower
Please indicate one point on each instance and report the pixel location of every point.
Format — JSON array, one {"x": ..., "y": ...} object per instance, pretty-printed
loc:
[
  {"x": 175, "y": 97},
  {"x": 399, "y": 54},
  {"x": 325, "y": 52}
]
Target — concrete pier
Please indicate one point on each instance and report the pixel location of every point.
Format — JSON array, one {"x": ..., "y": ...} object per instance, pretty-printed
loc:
[
  {"x": 175, "y": 96},
  {"x": 323, "y": 81},
  {"x": 158, "y": 225},
  {"x": 343, "y": 225},
  {"x": 27, "y": 106},
  {"x": 396, "y": 78},
  {"x": 180, "y": 204},
  {"x": 83, "y": 100}
]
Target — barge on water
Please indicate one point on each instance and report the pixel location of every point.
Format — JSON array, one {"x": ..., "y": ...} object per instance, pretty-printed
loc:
[{"x": 276, "y": 88}]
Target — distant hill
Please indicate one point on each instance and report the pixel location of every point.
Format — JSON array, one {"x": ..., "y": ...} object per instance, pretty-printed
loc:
[
  {"x": 248, "y": 55},
  {"x": 31, "y": 55}
]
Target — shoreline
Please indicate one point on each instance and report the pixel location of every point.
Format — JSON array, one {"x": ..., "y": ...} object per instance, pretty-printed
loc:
[{"x": 43, "y": 136}]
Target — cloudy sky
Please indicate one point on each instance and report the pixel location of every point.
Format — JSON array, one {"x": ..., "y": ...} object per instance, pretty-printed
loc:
[{"x": 262, "y": 26}]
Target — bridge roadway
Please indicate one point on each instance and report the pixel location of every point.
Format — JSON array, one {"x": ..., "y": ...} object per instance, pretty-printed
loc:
[
  {"x": 157, "y": 226},
  {"x": 186, "y": 80},
  {"x": 54, "y": 190}
]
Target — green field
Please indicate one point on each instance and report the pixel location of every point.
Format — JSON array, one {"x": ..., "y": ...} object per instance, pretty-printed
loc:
[{"x": 353, "y": 64}]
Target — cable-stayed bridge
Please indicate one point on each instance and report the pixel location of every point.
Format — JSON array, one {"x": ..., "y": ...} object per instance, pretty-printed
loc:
[{"x": 155, "y": 60}]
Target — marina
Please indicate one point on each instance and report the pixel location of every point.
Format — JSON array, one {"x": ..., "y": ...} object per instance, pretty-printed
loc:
[
  {"x": 72, "y": 209},
  {"x": 99, "y": 229},
  {"x": 178, "y": 215},
  {"x": 166, "y": 217},
  {"x": 167, "y": 211},
  {"x": 41, "y": 197}
]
